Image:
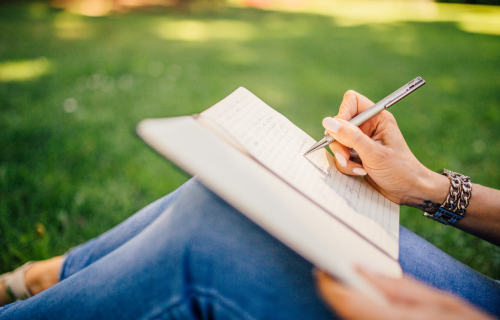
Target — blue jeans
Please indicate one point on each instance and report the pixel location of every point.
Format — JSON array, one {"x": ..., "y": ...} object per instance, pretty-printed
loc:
[{"x": 190, "y": 255}]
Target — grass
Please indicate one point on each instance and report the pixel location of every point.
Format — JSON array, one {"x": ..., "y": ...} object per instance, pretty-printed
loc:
[{"x": 72, "y": 89}]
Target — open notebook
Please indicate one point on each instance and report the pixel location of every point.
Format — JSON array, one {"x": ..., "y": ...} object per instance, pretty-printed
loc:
[{"x": 252, "y": 156}]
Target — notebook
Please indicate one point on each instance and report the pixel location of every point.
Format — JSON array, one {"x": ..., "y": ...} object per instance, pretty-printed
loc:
[{"x": 252, "y": 157}]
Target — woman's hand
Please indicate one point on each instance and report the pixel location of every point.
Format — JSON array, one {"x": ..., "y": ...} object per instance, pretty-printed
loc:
[
  {"x": 408, "y": 299},
  {"x": 387, "y": 162},
  {"x": 391, "y": 168}
]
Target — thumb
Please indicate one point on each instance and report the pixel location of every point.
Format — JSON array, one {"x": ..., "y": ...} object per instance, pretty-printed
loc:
[{"x": 349, "y": 135}]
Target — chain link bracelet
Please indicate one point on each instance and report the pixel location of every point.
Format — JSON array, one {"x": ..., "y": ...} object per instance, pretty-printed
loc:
[{"x": 453, "y": 208}]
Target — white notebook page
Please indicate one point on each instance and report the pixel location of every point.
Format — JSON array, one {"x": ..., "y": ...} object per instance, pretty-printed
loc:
[{"x": 279, "y": 145}]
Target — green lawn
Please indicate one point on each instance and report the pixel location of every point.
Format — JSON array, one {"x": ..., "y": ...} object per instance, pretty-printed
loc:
[{"x": 73, "y": 88}]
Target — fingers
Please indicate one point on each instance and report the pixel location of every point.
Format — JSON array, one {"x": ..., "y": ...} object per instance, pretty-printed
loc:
[
  {"x": 408, "y": 299},
  {"x": 348, "y": 303},
  {"x": 406, "y": 289},
  {"x": 407, "y": 292},
  {"x": 398, "y": 289},
  {"x": 353, "y": 104},
  {"x": 349, "y": 136},
  {"x": 342, "y": 159}
]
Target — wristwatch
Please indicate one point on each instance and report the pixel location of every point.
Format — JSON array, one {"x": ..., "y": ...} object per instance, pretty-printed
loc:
[{"x": 453, "y": 208}]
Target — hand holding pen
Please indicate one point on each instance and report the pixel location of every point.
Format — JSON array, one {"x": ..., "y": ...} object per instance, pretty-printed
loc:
[
  {"x": 374, "y": 110},
  {"x": 388, "y": 164}
]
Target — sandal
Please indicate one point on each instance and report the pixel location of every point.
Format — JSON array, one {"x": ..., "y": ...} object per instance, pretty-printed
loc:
[{"x": 14, "y": 285}]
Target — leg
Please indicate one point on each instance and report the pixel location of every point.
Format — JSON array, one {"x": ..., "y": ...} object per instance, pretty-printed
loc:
[
  {"x": 44, "y": 274},
  {"x": 91, "y": 251},
  {"x": 199, "y": 259},
  {"x": 424, "y": 261}
]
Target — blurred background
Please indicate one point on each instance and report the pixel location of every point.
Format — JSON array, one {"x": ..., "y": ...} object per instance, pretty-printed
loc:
[{"x": 76, "y": 76}]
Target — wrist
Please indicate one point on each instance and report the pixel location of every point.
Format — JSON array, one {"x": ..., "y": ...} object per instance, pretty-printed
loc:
[{"x": 431, "y": 190}]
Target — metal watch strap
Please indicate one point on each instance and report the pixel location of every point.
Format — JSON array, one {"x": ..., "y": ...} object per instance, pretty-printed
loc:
[{"x": 453, "y": 208}]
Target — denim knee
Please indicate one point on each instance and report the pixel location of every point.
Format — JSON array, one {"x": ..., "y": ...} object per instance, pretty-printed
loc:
[{"x": 221, "y": 251}]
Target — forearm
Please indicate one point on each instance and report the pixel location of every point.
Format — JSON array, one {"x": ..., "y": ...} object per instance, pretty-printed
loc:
[
  {"x": 482, "y": 217},
  {"x": 483, "y": 214}
]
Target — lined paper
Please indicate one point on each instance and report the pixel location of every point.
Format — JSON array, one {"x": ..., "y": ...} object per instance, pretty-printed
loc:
[{"x": 279, "y": 145}]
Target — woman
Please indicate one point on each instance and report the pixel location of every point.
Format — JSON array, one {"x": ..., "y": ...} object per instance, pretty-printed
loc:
[{"x": 190, "y": 255}]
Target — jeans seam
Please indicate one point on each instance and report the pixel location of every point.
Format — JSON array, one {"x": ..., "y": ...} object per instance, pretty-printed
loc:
[{"x": 194, "y": 291}]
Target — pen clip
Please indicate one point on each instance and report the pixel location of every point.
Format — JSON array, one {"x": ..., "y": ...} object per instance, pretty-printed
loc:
[{"x": 406, "y": 90}]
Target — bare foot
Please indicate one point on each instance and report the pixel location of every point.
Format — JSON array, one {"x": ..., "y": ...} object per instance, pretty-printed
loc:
[{"x": 41, "y": 275}]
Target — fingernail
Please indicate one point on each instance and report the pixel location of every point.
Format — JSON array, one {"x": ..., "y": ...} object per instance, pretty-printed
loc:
[
  {"x": 341, "y": 159},
  {"x": 359, "y": 171},
  {"x": 331, "y": 124}
]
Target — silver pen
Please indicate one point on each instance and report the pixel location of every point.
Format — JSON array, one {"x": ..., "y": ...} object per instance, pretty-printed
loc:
[{"x": 374, "y": 110}]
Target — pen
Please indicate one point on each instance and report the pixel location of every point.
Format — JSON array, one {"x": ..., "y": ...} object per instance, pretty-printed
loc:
[{"x": 374, "y": 110}]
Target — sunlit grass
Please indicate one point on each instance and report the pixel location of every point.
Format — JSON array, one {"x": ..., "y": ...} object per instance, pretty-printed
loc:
[
  {"x": 24, "y": 70},
  {"x": 348, "y": 13},
  {"x": 191, "y": 30},
  {"x": 86, "y": 7},
  {"x": 486, "y": 22},
  {"x": 71, "y": 26}
]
